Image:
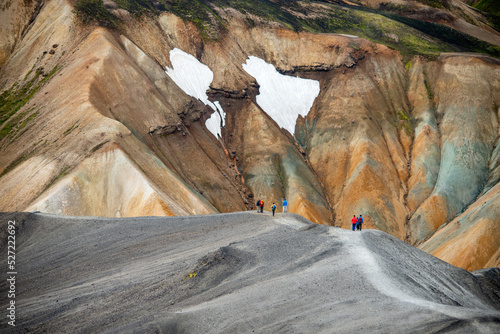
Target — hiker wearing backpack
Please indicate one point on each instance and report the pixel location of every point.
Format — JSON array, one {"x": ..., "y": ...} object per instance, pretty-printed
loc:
[
  {"x": 273, "y": 208},
  {"x": 258, "y": 205},
  {"x": 284, "y": 205},
  {"x": 261, "y": 206},
  {"x": 359, "y": 223},
  {"x": 354, "y": 221}
]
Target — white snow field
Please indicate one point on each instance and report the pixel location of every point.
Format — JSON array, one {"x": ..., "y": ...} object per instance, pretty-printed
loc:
[
  {"x": 194, "y": 78},
  {"x": 239, "y": 272},
  {"x": 282, "y": 97}
]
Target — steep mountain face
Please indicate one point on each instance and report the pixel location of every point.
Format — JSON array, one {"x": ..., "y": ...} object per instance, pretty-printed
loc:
[{"x": 96, "y": 122}]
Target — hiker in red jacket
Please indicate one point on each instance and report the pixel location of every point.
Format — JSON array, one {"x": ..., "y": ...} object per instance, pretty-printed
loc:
[
  {"x": 261, "y": 206},
  {"x": 354, "y": 221}
]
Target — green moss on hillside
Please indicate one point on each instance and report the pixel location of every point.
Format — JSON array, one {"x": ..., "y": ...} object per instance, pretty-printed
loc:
[
  {"x": 93, "y": 11},
  {"x": 16, "y": 125},
  {"x": 268, "y": 10},
  {"x": 405, "y": 121},
  {"x": 430, "y": 93},
  {"x": 492, "y": 11},
  {"x": 73, "y": 127},
  {"x": 490, "y": 6},
  {"x": 14, "y": 164},
  {"x": 448, "y": 37},
  {"x": 436, "y": 3},
  {"x": 138, "y": 6},
  {"x": 384, "y": 30},
  {"x": 17, "y": 96},
  {"x": 198, "y": 12}
]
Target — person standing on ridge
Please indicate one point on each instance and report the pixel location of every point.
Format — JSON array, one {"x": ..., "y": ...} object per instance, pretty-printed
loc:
[
  {"x": 258, "y": 205},
  {"x": 273, "y": 208},
  {"x": 284, "y": 205},
  {"x": 261, "y": 206},
  {"x": 354, "y": 221},
  {"x": 360, "y": 222}
]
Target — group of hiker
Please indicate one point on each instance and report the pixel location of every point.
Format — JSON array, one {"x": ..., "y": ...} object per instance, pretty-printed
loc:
[
  {"x": 357, "y": 223},
  {"x": 260, "y": 206}
]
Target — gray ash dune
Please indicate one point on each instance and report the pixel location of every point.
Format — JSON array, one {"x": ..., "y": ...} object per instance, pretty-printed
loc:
[{"x": 235, "y": 273}]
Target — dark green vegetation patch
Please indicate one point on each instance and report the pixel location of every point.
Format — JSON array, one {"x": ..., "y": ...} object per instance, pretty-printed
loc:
[
  {"x": 491, "y": 9},
  {"x": 267, "y": 10},
  {"x": 405, "y": 121},
  {"x": 453, "y": 38},
  {"x": 490, "y": 6},
  {"x": 93, "y": 11},
  {"x": 436, "y": 3},
  {"x": 17, "y": 96}
]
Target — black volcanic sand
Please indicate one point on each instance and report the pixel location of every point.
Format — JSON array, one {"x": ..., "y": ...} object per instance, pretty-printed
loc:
[{"x": 234, "y": 273}]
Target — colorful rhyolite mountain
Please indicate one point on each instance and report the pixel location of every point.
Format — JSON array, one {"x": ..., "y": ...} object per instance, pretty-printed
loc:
[{"x": 111, "y": 110}]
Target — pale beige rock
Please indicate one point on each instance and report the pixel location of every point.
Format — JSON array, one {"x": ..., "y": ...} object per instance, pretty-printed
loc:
[
  {"x": 109, "y": 184},
  {"x": 15, "y": 17}
]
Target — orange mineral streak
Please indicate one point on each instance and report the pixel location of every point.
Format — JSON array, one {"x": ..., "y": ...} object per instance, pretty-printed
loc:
[
  {"x": 474, "y": 248},
  {"x": 472, "y": 240},
  {"x": 308, "y": 210},
  {"x": 435, "y": 208}
]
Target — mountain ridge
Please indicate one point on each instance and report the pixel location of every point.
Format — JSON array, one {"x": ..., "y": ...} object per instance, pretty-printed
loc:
[{"x": 409, "y": 142}]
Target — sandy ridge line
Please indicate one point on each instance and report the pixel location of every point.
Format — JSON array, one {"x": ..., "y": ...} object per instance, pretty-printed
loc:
[{"x": 383, "y": 283}]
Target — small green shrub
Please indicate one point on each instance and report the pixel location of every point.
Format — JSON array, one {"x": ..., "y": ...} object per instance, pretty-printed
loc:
[
  {"x": 430, "y": 93},
  {"x": 408, "y": 65},
  {"x": 405, "y": 121}
]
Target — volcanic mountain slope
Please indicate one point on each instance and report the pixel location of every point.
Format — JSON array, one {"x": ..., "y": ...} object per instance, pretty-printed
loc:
[
  {"x": 141, "y": 108},
  {"x": 237, "y": 272}
]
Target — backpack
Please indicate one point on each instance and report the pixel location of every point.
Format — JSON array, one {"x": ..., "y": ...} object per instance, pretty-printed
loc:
[
  {"x": 360, "y": 220},
  {"x": 274, "y": 207},
  {"x": 258, "y": 203}
]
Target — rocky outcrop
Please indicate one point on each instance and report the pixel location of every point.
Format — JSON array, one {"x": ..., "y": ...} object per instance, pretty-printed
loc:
[{"x": 101, "y": 129}]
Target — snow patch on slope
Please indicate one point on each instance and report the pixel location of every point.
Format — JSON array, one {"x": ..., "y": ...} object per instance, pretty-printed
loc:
[
  {"x": 194, "y": 78},
  {"x": 282, "y": 97}
]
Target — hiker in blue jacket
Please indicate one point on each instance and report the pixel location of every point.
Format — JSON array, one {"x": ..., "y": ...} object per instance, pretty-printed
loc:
[
  {"x": 284, "y": 205},
  {"x": 359, "y": 223}
]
